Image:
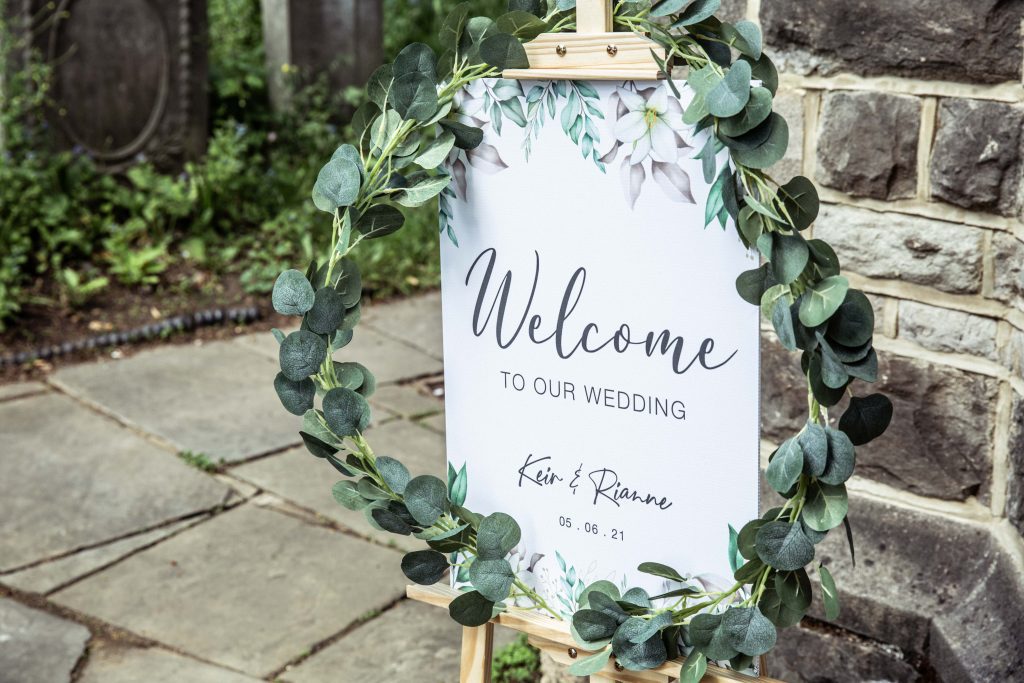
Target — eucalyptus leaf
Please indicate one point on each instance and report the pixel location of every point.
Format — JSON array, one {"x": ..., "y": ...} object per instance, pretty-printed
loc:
[
  {"x": 763, "y": 69},
  {"x": 773, "y": 149},
  {"x": 390, "y": 521},
  {"x": 824, "y": 257},
  {"x": 347, "y": 496},
  {"x": 789, "y": 257},
  {"x": 426, "y": 497},
  {"x": 466, "y": 137},
  {"x": 454, "y": 24},
  {"x": 414, "y": 96},
  {"x": 416, "y": 58},
  {"x": 801, "y": 201},
  {"x": 731, "y": 95},
  {"x": 379, "y": 220},
  {"x": 662, "y": 570},
  {"x": 814, "y": 443},
  {"x": 782, "y": 321},
  {"x": 493, "y": 578},
  {"x": 319, "y": 447},
  {"x": 694, "y": 668},
  {"x": 327, "y": 313},
  {"x": 865, "y": 369},
  {"x": 826, "y": 506},
  {"x": 592, "y": 664},
  {"x": 823, "y": 300},
  {"x": 757, "y": 111},
  {"x": 696, "y": 12},
  {"x": 346, "y": 412},
  {"x": 378, "y": 87},
  {"x": 785, "y": 468},
  {"x": 394, "y": 473},
  {"x": 337, "y": 184},
  {"x": 778, "y": 612},
  {"x": 794, "y": 588},
  {"x": 647, "y": 654},
  {"x": 301, "y": 355},
  {"x": 841, "y": 457},
  {"x": 471, "y": 609},
  {"x": 435, "y": 154},
  {"x": 292, "y": 295},
  {"x": 752, "y": 284},
  {"x": 497, "y": 536},
  {"x": 504, "y": 51},
  {"x": 745, "y": 36},
  {"x": 423, "y": 191},
  {"x": 296, "y": 397},
  {"x": 866, "y": 418},
  {"x": 425, "y": 567},
  {"x": 747, "y": 536},
  {"x": 593, "y": 625},
  {"x": 854, "y": 321},
  {"x": 523, "y": 25},
  {"x": 829, "y": 593},
  {"x": 833, "y": 372},
  {"x": 784, "y": 546},
  {"x": 748, "y": 631}
]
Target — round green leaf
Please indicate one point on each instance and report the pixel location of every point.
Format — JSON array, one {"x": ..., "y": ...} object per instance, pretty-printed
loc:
[
  {"x": 592, "y": 664},
  {"x": 814, "y": 444},
  {"x": 327, "y": 313},
  {"x": 454, "y": 25},
  {"x": 593, "y": 625},
  {"x": 524, "y": 25},
  {"x": 694, "y": 668},
  {"x": 778, "y": 612},
  {"x": 782, "y": 321},
  {"x": 301, "y": 355},
  {"x": 801, "y": 201},
  {"x": 426, "y": 497},
  {"x": 822, "y": 300},
  {"x": 296, "y": 397},
  {"x": 414, "y": 96},
  {"x": 785, "y": 468},
  {"x": 379, "y": 220},
  {"x": 757, "y": 111},
  {"x": 764, "y": 70},
  {"x": 789, "y": 257},
  {"x": 394, "y": 474},
  {"x": 752, "y": 284},
  {"x": 824, "y": 394},
  {"x": 493, "y": 578},
  {"x": 497, "y": 536},
  {"x": 745, "y": 37},
  {"x": 390, "y": 521},
  {"x": 318, "y": 447},
  {"x": 416, "y": 58},
  {"x": 293, "y": 295},
  {"x": 829, "y": 593},
  {"x": 504, "y": 51},
  {"x": 784, "y": 546},
  {"x": 773, "y": 149},
  {"x": 466, "y": 137},
  {"x": 866, "y": 418},
  {"x": 346, "y": 412},
  {"x": 696, "y": 12},
  {"x": 747, "y": 536},
  {"x": 471, "y": 609},
  {"x": 731, "y": 95},
  {"x": 662, "y": 570},
  {"x": 826, "y": 506},
  {"x": 641, "y": 656},
  {"x": 337, "y": 185},
  {"x": 346, "y": 494},
  {"x": 833, "y": 372},
  {"x": 794, "y": 589},
  {"x": 425, "y": 567},
  {"x": 854, "y": 321},
  {"x": 824, "y": 258},
  {"x": 748, "y": 631},
  {"x": 841, "y": 457}
]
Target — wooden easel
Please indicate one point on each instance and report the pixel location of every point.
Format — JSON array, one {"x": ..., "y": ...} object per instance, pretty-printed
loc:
[{"x": 594, "y": 52}]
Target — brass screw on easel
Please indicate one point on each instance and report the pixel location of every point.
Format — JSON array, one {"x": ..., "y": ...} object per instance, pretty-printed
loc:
[
  {"x": 613, "y": 50},
  {"x": 561, "y": 50}
]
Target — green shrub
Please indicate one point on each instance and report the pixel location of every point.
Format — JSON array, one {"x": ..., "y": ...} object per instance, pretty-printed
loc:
[{"x": 517, "y": 662}]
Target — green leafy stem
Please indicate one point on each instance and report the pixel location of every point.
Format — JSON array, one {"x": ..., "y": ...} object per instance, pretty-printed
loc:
[{"x": 404, "y": 135}]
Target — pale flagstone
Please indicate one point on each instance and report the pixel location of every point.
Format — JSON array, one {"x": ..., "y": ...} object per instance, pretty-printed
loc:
[
  {"x": 36, "y": 647},
  {"x": 435, "y": 422},
  {"x": 415, "y": 320},
  {"x": 43, "y": 578},
  {"x": 405, "y": 400},
  {"x": 9, "y": 392},
  {"x": 251, "y": 589},
  {"x": 387, "y": 359},
  {"x": 110, "y": 663},
  {"x": 217, "y": 399},
  {"x": 305, "y": 480},
  {"x": 410, "y": 643},
  {"x": 72, "y": 479}
]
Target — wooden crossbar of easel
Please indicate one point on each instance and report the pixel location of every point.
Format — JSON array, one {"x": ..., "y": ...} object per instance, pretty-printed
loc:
[{"x": 553, "y": 638}]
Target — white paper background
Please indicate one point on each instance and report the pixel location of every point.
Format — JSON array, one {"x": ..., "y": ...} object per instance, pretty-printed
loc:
[{"x": 653, "y": 267}]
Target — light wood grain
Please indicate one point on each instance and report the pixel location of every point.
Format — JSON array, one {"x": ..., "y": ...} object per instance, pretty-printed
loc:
[
  {"x": 477, "y": 652},
  {"x": 590, "y": 51},
  {"x": 583, "y": 75},
  {"x": 553, "y": 637},
  {"x": 593, "y": 16}
]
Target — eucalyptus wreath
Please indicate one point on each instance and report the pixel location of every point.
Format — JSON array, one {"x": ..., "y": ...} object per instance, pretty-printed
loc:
[{"x": 404, "y": 135}]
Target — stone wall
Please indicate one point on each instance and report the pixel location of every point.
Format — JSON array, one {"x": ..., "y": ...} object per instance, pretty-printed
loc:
[{"x": 908, "y": 116}]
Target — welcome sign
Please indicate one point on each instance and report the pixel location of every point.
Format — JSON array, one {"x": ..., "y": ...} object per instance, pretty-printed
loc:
[{"x": 598, "y": 361}]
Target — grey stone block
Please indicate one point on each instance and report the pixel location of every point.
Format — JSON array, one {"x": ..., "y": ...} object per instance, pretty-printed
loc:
[
  {"x": 73, "y": 479},
  {"x": 111, "y": 663},
  {"x": 9, "y": 392},
  {"x": 1015, "y": 486},
  {"x": 867, "y": 144},
  {"x": 895, "y": 246},
  {"x": 36, "y": 647},
  {"x": 217, "y": 399},
  {"x": 250, "y": 590},
  {"x": 1008, "y": 267},
  {"x": 976, "y": 158},
  {"x": 943, "y": 329},
  {"x": 972, "y": 42},
  {"x": 839, "y": 657},
  {"x": 790, "y": 105},
  {"x": 406, "y": 400}
]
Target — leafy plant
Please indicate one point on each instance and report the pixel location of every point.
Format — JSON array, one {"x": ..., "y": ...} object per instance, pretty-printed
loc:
[{"x": 517, "y": 662}]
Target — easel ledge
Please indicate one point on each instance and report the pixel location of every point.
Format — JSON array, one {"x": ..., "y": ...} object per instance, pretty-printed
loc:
[{"x": 553, "y": 638}]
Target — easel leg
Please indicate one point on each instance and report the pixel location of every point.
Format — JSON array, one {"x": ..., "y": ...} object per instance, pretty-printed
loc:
[{"x": 477, "y": 650}]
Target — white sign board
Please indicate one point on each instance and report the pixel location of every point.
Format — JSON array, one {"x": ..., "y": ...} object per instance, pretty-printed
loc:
[{"x": 601, "y": 372}]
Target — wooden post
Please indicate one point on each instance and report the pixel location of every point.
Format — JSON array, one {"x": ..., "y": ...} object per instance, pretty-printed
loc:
[
  {"x": 593, "y": 16},
  {"x": 477, "y": 650}
]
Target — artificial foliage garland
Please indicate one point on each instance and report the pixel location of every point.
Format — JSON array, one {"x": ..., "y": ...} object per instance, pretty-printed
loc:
[{"x": 405, "y": 134}]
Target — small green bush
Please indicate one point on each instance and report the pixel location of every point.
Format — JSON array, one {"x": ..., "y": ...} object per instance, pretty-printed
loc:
[{"x": 517, "y": 662}]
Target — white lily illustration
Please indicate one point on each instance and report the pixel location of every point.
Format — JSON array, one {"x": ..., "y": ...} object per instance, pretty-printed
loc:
[{"x": 650, "y": 126}]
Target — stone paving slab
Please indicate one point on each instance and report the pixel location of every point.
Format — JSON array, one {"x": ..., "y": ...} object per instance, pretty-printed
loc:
[
  {"x": 410, "y": 643},
  {"x": 46, "y": 577},
  {"x": 217, "y": 399},
  {"x": 389, "y": 360},
  {"x": 116, "y": 664},
  {"x": 9, "y": 392},
  {"x": 435, "y": 422},
  {"x": 250, "y": 590},
  {"x": 415, "y": 320},
  {"x": 73, "y": 478},
  {"x": 406, "y": 401},
  {"x": 36, "y": 647},
  {"x": 297, "y": 476}
]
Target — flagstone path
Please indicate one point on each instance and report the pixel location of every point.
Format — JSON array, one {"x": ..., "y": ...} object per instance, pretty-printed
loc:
[{"x": 120, "y": 561}]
